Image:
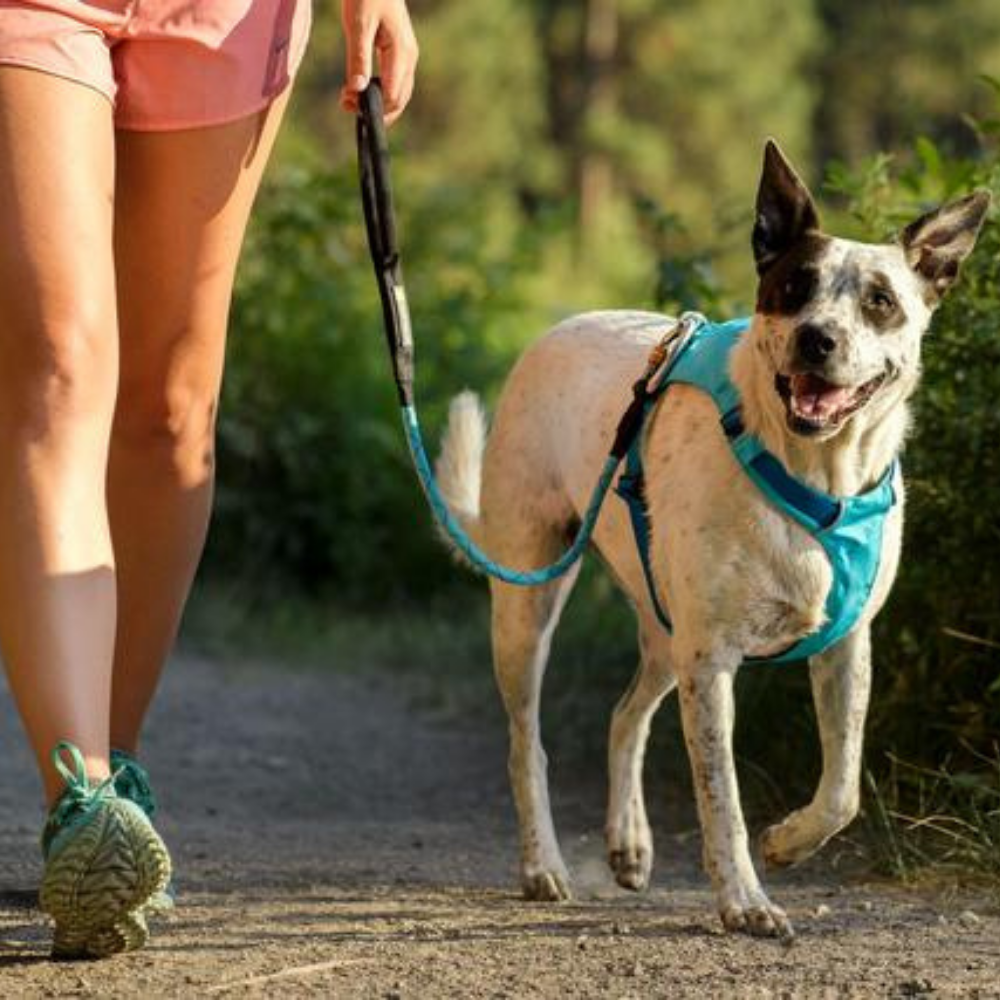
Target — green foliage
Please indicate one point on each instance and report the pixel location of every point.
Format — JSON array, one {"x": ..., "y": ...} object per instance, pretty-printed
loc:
[
  {"x": 711, "y": 82},
  {"x": 477, "y": 109},
  {"x": 923, "y": 820},
  {"x": 685, "y": 278},
  {"x": 899, "y": 68}
]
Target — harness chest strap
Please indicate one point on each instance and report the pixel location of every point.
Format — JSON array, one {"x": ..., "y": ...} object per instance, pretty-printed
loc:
[{"x": 849, "y": 529}]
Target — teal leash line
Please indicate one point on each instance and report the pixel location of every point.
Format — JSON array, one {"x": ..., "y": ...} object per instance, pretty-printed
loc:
[{"x": 468, "y": 548}]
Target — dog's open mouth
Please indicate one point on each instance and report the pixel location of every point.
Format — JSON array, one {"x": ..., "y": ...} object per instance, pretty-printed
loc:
[{"x": 813, "y": 405}]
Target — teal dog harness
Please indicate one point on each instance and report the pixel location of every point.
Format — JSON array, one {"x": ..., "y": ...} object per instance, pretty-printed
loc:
[{"x": 848, "y": 528}]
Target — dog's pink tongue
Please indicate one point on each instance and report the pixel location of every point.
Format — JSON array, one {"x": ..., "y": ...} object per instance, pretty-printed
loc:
[{"x": 815, "y": 397}]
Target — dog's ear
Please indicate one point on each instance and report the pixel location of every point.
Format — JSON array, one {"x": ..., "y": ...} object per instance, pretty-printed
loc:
[
  {"x": 785, "y": 209},
  {"x": 937, "y": 243}
]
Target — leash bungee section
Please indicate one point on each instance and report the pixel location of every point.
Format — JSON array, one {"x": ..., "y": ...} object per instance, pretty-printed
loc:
[{"x": 383, "y": 244}]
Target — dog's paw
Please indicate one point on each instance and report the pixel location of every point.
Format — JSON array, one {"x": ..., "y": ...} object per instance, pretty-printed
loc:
[
  {"x": 775, "y": 849},
  {"x": 632, "y": 866},
  {"x": 630, "y": 847},
  {"x": 797, "y": 838},
  {"x": 546, "y": 886},
  {"x": 761, "y": 918}
]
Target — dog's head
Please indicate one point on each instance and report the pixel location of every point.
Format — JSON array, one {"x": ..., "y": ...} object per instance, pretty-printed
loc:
[{"x": 843, "y": 321}]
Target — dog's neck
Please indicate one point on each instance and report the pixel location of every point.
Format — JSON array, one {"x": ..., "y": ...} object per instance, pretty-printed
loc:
[{"x": 847, "y": 464}]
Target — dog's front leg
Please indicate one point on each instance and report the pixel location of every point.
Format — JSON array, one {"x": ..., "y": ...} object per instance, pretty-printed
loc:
[
  {"x": 841, "y": 682},
  {"x": 705, "y": 687}
]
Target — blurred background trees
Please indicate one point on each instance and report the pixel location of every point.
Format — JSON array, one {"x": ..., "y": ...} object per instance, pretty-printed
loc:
[{"x": 567, "y": 154}]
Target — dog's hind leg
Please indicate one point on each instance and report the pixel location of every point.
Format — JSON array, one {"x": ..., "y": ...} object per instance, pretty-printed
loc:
[
  {"x": 524, "y": 619},
  {"x": 629, "y": 838},
  {"x": 841, "y": 682}
]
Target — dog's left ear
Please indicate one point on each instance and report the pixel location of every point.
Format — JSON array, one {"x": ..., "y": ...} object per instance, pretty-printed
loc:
[
  {"x": 937, "y": 243},
  {"x": 785, "y": 209}
]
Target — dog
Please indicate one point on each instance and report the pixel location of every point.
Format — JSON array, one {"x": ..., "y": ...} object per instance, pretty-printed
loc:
[{"x": 824, "y": 372}]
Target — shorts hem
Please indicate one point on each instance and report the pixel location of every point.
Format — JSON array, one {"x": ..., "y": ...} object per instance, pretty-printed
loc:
[{"x": 49, "y": 71}]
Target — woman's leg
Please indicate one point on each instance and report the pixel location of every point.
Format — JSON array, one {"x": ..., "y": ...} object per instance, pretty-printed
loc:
[
  {"x": 182, "y": 203},
  {"x": 58, "y": 369}
]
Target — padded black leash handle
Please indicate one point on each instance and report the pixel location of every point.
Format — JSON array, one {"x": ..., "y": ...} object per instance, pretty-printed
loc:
[{"x": 380, "y": 225}]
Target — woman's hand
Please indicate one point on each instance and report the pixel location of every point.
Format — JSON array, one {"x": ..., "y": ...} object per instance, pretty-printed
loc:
[{"x": 382, "y": 26}]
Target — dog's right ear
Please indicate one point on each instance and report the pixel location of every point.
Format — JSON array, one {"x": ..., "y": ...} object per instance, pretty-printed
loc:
[
  {"x": 785, "y": 209},
  {"x": 937, "y": 243}
]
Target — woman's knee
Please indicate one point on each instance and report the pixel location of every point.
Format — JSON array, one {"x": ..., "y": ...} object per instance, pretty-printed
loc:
[
  {"x": 58, "y": 373},
  {"x": 170, "y": 422}
]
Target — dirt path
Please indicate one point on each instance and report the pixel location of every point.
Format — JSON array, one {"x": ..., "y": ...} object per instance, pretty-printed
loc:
[{"x": 331, "y": 841}]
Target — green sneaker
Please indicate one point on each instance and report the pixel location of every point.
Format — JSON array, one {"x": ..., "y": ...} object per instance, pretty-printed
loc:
[
  {"x": 103, "y": 864},
  {"x": 132, "y": 783}
]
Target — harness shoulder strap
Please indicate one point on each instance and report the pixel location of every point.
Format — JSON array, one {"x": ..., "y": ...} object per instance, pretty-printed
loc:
[{"x": 631, "y": 488}]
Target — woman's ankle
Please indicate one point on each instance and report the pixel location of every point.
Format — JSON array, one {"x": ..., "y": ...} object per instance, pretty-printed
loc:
[{"x": 97, "y": 764}]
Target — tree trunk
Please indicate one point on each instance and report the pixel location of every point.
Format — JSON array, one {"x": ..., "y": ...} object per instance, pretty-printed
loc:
[{"x": 595, "y": 169}]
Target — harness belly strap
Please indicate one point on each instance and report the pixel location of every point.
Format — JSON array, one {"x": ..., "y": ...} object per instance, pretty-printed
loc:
[{"x": 849, "y": 529}]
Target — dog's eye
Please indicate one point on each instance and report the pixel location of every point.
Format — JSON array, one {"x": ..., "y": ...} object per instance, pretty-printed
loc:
[{"x": 881, "y": 301}]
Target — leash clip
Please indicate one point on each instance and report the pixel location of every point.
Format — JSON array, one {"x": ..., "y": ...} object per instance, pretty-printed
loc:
[{"x": 670, "y": 346}]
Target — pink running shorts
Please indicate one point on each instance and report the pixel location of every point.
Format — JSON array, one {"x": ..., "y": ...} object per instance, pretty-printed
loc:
[{"x": 163, "y": 64}]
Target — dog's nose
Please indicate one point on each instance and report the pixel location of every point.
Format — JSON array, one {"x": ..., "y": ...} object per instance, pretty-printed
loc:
[{"x": 815, "y": 343}]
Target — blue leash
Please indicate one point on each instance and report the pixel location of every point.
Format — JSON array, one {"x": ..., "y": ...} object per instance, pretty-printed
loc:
[
  {"x": 524, "y": 578},
  {"x": 380, "y": 226}
]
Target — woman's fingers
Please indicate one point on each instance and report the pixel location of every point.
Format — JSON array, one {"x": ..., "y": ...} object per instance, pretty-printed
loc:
[
  {"x": 398, "y": 64},
  {"x": 360, "y": 27},
  {"x": 383, "y": 26},
  {"x": 361, "y": 24},
  {"x": 349, "y": 99}
]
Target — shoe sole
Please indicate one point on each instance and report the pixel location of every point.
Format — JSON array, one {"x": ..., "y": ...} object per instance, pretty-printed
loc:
[
  {"x": 96, "y": 887},
  {"x": 161, "y": 904}
]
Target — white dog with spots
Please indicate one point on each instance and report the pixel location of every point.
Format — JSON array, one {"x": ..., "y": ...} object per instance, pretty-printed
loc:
[{"x": 824, "y": 373}]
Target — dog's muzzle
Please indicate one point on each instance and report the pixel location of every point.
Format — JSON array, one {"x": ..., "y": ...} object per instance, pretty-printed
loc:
[{"x": 815, "y": 406}]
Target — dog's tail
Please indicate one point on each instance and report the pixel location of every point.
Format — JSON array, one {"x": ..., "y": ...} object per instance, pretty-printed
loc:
[{"x": 459, "y": 467}]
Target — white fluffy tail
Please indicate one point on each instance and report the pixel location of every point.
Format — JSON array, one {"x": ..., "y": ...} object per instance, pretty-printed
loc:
[{"x": 460, "y": 465}]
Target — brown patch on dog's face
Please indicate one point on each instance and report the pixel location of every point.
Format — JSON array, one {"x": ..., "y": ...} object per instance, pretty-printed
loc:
[
  {"x": 880, "y": 303},
  {"x": 787, "y": 287}
]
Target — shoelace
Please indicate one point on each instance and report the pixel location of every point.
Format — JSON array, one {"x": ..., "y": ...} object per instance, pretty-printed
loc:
[
  {"x": 132, "y": 781},
  {"x": 80, "y": 797}
]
